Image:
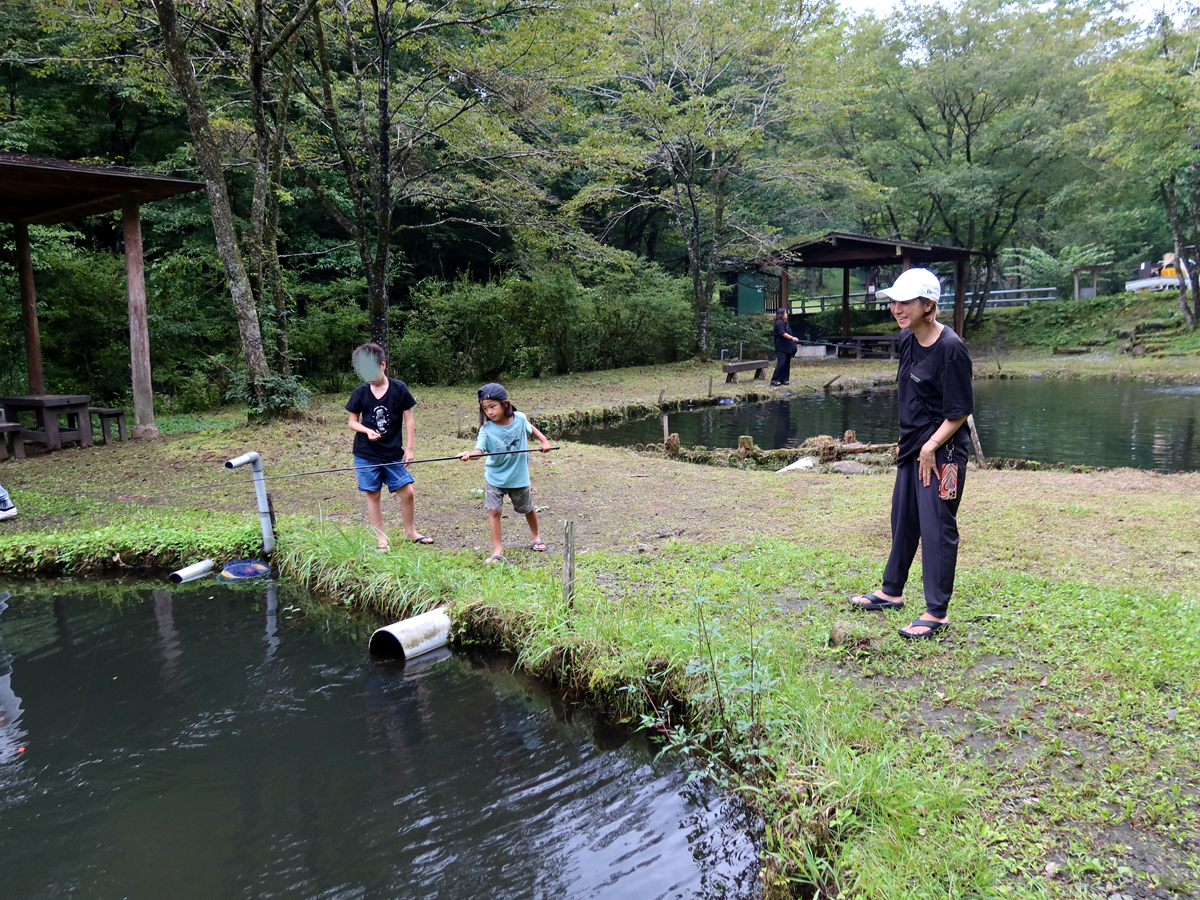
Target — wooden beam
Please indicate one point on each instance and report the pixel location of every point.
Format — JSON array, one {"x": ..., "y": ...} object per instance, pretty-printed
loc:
[
  {"x": 960, "y": 296},
  {"x": 139, "y": 332},
  {"x": 845, "y": 303},
  {"x": 33, "y": 339}
]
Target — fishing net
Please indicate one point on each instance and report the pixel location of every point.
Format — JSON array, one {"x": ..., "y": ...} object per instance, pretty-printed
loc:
[{"x": 241, "y": 569}]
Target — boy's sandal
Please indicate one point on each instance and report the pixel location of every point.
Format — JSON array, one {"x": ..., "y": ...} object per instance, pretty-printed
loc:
[
  {"x": 934, "y": 628},
  {"x": 539, "y": 546},
  {"x": 423, "y": 539},
  {"x": 494, "y": 558},
  {"x": 875, "y": 602}
]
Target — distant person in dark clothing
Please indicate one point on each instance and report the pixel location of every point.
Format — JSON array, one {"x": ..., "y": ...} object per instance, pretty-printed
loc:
[
  {"x": 935, "y": 396},
  {"x": 785, "y": 348}
]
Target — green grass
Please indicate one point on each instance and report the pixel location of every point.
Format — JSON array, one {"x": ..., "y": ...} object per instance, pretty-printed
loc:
[{"x": 1051, "y": 714}]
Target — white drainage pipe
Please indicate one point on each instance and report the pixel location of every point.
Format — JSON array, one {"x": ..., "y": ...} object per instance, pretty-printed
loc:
[
  {"x": 192, "y": 572},
  {"x": 412, "y": 637},
  {"x": 260, "y": 490}
]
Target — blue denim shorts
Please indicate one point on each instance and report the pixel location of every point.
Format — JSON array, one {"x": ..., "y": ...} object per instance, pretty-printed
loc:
[{"x": 372, "y": 476}]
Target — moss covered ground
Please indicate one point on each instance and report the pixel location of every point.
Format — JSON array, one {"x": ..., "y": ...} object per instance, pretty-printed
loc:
[{"x": 1045, "y": 746}]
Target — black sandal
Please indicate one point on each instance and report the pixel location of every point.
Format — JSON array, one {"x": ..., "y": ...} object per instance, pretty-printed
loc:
[
  {"x": 934, "y": 628},
  {"x": 875, "y": 602}
]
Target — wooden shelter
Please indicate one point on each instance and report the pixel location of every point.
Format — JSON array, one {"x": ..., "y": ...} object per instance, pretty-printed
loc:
[
  {"x": 845, "y": 250},
  {"x": 37, "y": 191}
]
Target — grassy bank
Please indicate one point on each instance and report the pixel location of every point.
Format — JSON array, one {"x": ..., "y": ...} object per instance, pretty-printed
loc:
[{"x": 1045, "y": 747}]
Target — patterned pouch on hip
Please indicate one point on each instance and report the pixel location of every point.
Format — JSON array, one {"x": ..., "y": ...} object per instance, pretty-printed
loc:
[{"x": 948, "y": 481}]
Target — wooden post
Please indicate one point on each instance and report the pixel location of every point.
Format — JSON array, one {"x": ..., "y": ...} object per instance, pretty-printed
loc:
[
  {"x": 1076, "y": 274},
  {"x": 568, "y": 575},
  {"x": 710, "y": 378},
  {"x": 459, "y": 432},
  {"x": 139, "y": 331},
  {"x": 783, "y": 289},
  {"x": 845, "y": 303},
  {"x": 666, "y": 429},
  {"x": 960, "y": 296},
  {"x": 1095, "y": 276},
  {"x": 907, "y": 262},
  {"x": 33, "y": 339},
  {"x": 975, "y": 440},
  {"x": 660, "y": 396}
]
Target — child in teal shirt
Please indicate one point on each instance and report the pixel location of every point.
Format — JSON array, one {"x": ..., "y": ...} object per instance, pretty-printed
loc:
[{"x": 501, "y": 429}]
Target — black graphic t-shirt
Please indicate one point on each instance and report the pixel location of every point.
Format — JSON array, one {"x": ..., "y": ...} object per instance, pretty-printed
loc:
[
  {"x": 385, "y": 415},
  {"x": 934, "y": 385}
]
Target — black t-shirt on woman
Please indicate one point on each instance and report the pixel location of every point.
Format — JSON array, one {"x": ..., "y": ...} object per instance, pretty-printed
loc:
[
  {"x": 934, "y": 385},
  {"x": 782, "y": 344},
  {"x": 385, "y": 415}
]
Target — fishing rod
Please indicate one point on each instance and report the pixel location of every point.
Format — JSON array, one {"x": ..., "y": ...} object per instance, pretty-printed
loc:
[{"x": 344, "y": 469}]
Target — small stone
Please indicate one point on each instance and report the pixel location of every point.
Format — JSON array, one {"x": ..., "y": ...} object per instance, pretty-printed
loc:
[
  {"x": 1052, "y": 869},
  {"x": 840, "y": 633},
  {"x": 850, "y": 467},
  {"x": 1172, "y": 713}
]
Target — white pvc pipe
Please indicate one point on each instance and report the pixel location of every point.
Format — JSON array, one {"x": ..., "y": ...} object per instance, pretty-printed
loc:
[
  {"x": 260, "y": 489},
  {"x": 412, "y": 637},
  {"x": 192, "y": 572}
]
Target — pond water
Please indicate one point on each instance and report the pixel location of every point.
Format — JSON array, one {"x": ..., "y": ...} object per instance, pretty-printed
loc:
[
  {"x": 1096, "y": 423},
  {"x": 209, "y": 742}
]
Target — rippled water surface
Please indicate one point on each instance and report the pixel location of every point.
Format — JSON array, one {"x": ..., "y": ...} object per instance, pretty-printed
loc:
[
  {"x": 1097, "y": 423},
  {"x": 207, "y": 742}
]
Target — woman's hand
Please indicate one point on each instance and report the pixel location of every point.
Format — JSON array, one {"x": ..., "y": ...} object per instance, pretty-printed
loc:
[{"x": 927, "y": 462}]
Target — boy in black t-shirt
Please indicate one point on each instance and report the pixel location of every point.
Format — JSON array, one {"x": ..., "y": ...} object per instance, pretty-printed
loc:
[{"x": 377, "y": 410}]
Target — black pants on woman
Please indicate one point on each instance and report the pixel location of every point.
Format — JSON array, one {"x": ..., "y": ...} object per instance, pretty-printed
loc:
[
  {"x": 919, "y": 514},
  {"x": 783, "y": 369}
]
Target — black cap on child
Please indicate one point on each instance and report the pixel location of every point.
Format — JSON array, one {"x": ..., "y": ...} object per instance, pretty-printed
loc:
[{"x": 493, "y": 391}]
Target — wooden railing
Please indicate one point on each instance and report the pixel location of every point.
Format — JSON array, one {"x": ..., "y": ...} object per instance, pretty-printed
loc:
[{"x": 1007, "y": 297}]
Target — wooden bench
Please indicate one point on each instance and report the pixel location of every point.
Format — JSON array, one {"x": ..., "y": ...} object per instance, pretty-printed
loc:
[
  {"x": 731, "y": 369},
  {"x": 106, "y": 417},
  {"x": 14, "y": 444}
]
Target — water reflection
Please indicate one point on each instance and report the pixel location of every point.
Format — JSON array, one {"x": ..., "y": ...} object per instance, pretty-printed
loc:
[
  {"x": 1099, "y": 423},
  {"x": 12, "y": 738},
  {"x": 170, "y": 760}
]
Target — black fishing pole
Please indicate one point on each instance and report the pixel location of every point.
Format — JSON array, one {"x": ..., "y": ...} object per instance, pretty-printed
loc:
[{"x": 344, "y": 469}]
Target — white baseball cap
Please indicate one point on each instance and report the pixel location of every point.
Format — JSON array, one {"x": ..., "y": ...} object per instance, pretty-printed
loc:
[{"x": 913, "y": 284}]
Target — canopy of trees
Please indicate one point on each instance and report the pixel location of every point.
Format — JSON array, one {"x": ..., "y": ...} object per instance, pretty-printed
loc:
[{"x": 494, "y": 187}]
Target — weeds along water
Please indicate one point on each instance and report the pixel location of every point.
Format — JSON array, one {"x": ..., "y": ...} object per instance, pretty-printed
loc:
[{"x": 1050, "y": 716}]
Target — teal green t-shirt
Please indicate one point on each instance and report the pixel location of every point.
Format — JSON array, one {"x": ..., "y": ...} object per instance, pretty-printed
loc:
[{"x": 506, "y": 471}]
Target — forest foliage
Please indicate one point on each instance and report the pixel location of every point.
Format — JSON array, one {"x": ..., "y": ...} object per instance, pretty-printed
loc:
[{"x": 504, "y": 187}]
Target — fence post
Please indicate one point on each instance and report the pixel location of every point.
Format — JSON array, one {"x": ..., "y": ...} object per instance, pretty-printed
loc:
[
  {"x": 710, "y": 385},
  {"x": 569, "y": 563},
  {"x": 666, "y": 430}
]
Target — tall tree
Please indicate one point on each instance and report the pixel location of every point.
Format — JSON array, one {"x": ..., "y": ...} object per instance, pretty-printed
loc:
[
  {"x": 1150, "y": 101},
  {"x": 435, "y": 110},
  {"x": 699, "y": 113},
  {"x": 964, "y": 126}
]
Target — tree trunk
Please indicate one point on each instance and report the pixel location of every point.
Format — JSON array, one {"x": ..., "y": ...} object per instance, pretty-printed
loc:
[
  {"x": 1166, "y": 191},
  {"x": 981, "y": 300},
  {"x": 208, "y": 157}
]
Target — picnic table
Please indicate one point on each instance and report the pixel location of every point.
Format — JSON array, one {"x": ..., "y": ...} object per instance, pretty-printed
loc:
[
  {"x": 46, "y": 409},
  {"x": 872, "y": 343}
]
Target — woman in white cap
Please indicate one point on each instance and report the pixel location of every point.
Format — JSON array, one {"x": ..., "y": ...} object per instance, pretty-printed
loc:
[{"x": 935, "y": 399}]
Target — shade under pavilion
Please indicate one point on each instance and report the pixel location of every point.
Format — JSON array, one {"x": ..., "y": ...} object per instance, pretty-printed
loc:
[
  {"x": 40, "y": 191},
  {"x": 845, "y": 250}
]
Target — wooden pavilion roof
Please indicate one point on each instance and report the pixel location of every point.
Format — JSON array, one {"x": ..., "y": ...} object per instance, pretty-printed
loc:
[
  {"x": 43, "y": 191},
  {"x": 846, "y": 250}
]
